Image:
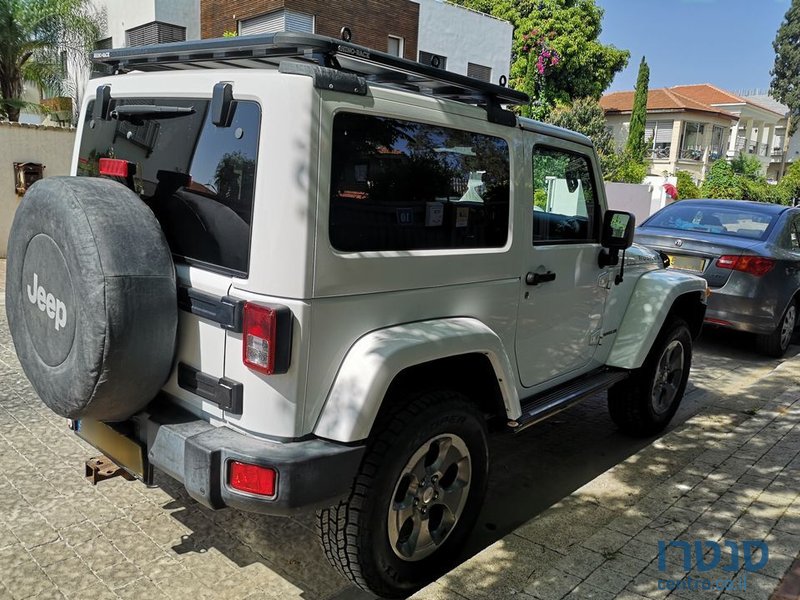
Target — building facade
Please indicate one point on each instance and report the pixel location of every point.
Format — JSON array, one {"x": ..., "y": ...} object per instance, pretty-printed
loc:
[
  {"x": 148, "y": 22},
  {"x": 755, "y": 130},
  {"x": 430, "y": 31},
  {"x": 783, "y": 151},
  {"x": 691, "y": 126},
  {"x": 682, "y": 134},
  {"x": 387, "y": 26}
]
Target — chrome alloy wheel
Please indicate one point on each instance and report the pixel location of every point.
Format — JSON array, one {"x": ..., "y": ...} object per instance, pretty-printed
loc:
[
  {"x": 429, "y": 497},
  {"x": 668, "y": 377},
  {"x": 787, "y": 325}
]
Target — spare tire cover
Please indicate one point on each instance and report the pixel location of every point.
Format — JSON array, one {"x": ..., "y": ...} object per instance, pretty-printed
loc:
[{"x": 91, "y": 297}]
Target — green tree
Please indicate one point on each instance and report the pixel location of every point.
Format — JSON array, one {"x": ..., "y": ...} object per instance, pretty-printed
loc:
[
  {"x": 785, "y": 85},
  {"x": 687, "y": 188},
  {"x": 636, "y": 141},
  {"x": 586, "y": 116},
  {"x": 569, "y": 30},
  {"x": 722, "y": 182},
  {"x": 746, "y": 165},
  {"x": 34, "y": 36},
  {"x": 789, "y": 186}
]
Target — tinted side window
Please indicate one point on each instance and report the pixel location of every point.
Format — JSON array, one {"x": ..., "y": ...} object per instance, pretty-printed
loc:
[
  {"x": 564, "y": 197},
  {"x": 794, "y": 234},
  {"x": 198, "y": 179},
  {"x": 400, "y": 185}
]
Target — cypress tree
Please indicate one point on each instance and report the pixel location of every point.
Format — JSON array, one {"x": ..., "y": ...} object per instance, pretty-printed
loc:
[{"x": 635, "y": 146}]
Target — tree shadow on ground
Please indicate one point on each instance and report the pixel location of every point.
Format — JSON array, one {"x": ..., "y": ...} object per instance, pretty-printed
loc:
[{"x": 530, "y": 472}]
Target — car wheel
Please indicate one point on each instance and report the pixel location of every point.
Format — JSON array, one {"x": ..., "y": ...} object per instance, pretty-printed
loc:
[
  {"x": 776, "y": 344},
  {"x": 415, "y": 499},
  {"x": 644, "y": 404}
]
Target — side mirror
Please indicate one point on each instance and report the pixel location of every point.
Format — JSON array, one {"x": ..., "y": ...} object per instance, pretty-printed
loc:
[
  {"x": 617, "y": 231},
  {"x": 617, "y": 235}
]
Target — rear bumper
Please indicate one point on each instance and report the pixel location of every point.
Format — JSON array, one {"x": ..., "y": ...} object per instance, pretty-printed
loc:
[
  {"x": 742, "y": 313},
  {"x": 311, "y": 473}
]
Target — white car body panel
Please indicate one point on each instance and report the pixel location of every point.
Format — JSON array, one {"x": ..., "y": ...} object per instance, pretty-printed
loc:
[
  {"x": 653, "y": 296},
  {"x": 362, "y": 317},
  {"x": 375, "y": 359}
]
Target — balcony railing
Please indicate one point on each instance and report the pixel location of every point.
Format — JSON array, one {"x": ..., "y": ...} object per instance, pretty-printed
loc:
[
  {"x": 660, "y": 153},
  {"x": 692, "y": 154}
]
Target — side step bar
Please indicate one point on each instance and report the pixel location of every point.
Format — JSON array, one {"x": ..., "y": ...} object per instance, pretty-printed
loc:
[{"x": 540, "y": 407}]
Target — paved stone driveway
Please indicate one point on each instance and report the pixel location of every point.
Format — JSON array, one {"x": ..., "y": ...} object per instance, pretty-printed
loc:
[{"x": 61, "y": 537}]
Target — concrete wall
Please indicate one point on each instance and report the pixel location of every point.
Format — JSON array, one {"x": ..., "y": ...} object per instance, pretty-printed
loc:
[
  {"x": 185, "y": 13},
  {"x": 465, "y": 36},
  {"x": 50, "y": 146},
  {"x": 122, "y": 15},
  {"x": 640, "y": 199}
]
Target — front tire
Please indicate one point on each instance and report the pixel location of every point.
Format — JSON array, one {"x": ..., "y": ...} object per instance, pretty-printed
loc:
[
  {"x": 415, "y": 499},
  {"x": 644, "y": 404},
  {"x": 776, "y": 344}
]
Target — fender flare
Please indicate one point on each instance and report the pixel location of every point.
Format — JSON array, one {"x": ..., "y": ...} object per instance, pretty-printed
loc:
[
  {"x": 375, "y": 359},
  {"x": 652, "y": 299}
]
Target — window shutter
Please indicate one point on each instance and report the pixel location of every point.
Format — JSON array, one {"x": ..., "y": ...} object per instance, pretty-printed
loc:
[
  {"x": 154, "y": 33},
  {"x": 279, "y": 20},
  {"x": 300, "y": 22},
  {"x": 664, "y": 132},
  {"x": 479, "y": 72}
]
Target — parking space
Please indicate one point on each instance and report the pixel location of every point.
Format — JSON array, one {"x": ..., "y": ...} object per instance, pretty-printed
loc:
[{"x": 62, "y": 537}]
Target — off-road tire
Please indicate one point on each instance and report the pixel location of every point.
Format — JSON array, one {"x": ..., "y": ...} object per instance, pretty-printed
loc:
[
  {"x": 354, "y": 534},
  {"x": 91, "y": 297},
  {"x": 776, "y": 344},
  {"x": 630, "y": 402}
]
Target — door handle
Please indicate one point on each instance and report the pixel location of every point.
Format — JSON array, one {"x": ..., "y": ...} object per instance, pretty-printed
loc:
[{"x": 537, "y": 278}]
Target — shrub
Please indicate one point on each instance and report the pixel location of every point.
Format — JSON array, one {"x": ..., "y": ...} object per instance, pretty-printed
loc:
[
  {"x": 789, "y": 186},
  {"x": 722, "y": 182},
  {"x": 623, "y": 168},
  {"x": 686, "y": 186}
]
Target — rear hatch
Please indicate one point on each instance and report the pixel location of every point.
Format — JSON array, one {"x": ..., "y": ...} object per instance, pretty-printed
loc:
[
  {"x": 198, "y": 178},
  {"x": 696, "y": 252}
]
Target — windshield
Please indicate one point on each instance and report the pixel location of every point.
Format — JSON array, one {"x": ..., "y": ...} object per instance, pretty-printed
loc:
[{"x": 744, "y": 222}]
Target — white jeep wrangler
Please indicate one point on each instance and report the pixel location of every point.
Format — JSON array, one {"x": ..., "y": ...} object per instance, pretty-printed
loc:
[{"x": 295, "y": 273}]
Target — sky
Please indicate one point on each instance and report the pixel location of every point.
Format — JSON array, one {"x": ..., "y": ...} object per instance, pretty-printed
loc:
[{"x": 724, "y": 42}]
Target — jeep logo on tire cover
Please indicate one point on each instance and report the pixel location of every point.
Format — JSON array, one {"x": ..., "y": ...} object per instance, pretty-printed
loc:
[
  {"x": 48, "y": 298},
  {"x": 55, "y": 308}
]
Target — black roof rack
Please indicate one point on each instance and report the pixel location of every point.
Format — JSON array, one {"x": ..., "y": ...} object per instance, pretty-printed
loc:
[{"x": 269, "y": 50}]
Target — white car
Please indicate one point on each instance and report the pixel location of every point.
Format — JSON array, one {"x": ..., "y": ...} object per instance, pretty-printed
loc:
[{"x": 294, "y": 273}]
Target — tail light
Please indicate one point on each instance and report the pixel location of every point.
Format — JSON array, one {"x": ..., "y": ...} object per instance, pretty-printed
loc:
[
  {"x": 755, "y": 265},
  {"x": 266, "y": 337},
  {"x": 114, "y": 167},
  {"x": 252, "y": 479}
]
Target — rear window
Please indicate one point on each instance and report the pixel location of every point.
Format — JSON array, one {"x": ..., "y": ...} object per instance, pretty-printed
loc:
[
  {"x": 742, "y": 223},
  {"x": 402, "y": 185},
  {"x": 197, "y": 178}
]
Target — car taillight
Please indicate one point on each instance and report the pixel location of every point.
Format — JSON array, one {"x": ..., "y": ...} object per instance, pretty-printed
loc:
[
  {"x": 113, "y": 167},
  {"x": 252, "y": 479},
  {"x": 266, "y": 337},
  {"x": 755, "y": 265}
]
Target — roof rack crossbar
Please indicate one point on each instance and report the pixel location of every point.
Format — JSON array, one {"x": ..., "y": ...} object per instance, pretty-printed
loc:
[{"x": 270, "y": 50}]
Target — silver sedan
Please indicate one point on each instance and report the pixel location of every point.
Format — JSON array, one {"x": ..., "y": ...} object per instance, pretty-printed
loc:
[{"x": 748, "y": 252}]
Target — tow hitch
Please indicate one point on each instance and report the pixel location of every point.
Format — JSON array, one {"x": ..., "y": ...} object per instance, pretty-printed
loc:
[{"x": 101, "y": 468}]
